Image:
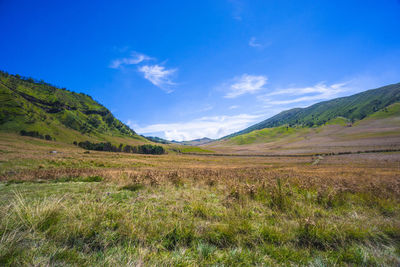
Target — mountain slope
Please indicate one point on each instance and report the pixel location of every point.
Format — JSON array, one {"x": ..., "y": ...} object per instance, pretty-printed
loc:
[
  {"x": 355, "y": 107},
  {"x": 156, "y": 139},
  {"x": 378, "y": 131},
  {"x": 196, "y": 142},
  {"x": 26, "y": 104}
]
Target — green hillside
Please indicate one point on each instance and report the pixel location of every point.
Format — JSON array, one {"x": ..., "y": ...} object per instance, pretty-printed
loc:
[
  {"x": 352, "y": 108},
  {"x": 30, "y": 105},
  {"x": 266, "y": 135},
  {"x": 338, "y": 121},
  {"x": 291, "y": 133},
  {"x": 386, "y": 112}
]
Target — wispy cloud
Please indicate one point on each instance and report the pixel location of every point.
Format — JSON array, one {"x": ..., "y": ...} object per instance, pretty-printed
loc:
[
  {"x": 159, "y": 76},
  {"x": 212, "y": 127},
  {"x": 256, "y": 43},
  {"x": 133, "y": 59},
  {"x": 245, "y": 84},
  {"x": 156, "y": 74},
  {"x": 234, "y": 107},
  {"x": 320, "y": 91},
  {"x": 237, "y": 9},
  {"x": 253, "y": 42}
]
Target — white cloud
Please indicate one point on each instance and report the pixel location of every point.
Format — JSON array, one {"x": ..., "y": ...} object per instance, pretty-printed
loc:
[
  {"x": 234, "y": 107},
  {"x": 158, "y": 75},
  {"x": 134, "y": 59},
  {"x": 253, "y": 42},
  {"x": 320, "y": 91},
  {"x": 212, "y": 127},
  {"x": 246, "y": 84}
]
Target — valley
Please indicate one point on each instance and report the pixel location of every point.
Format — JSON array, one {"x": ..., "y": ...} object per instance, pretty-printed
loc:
[
  {"x": 78, "y": 207},
  {"x": 199, "y": 133},
  {"x": 80, "y": 188}
]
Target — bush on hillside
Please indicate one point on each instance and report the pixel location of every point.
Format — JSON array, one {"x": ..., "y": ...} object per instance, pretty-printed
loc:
[
  {"x": 36, "y": 134},
  {"x": 142, "y": 149}
]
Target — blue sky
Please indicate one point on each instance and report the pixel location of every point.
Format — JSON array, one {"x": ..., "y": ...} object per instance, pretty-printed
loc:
[{"x": 188, "y": 69}]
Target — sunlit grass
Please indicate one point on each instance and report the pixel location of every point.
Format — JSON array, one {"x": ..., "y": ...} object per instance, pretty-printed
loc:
[
  {"x": 185, "y": 219},
  {"x": 101, "y": 208}
]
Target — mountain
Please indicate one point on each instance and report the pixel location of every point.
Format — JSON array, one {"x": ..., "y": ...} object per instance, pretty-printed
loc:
[
  {"x": 30, "y": 105},
  {"x": 196, "y": 142},
  {"x": 156, "y": 139},
  {"x": 355, "y": 107},
  {"x": 368, "y": 121},
  {"x": 378, "y": 131}
]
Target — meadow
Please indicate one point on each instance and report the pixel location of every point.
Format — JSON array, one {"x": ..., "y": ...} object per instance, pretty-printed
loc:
[{"x": 80, "y": 208}]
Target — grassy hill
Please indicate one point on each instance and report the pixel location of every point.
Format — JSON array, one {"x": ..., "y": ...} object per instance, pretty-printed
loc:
[
  {"x": 157, "y": 139},
  {"x": 31, "y": 105},
  {"x": 386, "y": 112},
  {"x": 196, "y": 142},
  {"x": 266, "y": 135},
  {"x": 352, "y": 108},
  {"x": 379, "y": 130}
]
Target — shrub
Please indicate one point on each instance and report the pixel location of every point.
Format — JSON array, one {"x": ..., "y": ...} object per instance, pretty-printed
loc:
[
  {"x": 36, "y": 134},
  {"x": 142, "y": 149},
  {"x": 179, "y": 236},
  {"x": 132, "y": 187}
]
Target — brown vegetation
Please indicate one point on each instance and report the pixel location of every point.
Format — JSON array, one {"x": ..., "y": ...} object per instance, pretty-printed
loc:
[{"x": 106, "y": 208}]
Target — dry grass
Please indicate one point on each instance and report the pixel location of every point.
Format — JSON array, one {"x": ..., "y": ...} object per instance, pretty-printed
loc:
[{"x": 72, "y": 208}]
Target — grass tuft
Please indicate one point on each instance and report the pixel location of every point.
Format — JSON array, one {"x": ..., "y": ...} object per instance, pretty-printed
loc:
[{"x": 132, "y": 187}]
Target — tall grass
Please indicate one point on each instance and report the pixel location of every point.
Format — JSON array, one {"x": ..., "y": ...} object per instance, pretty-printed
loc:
[
  {"x": 182, "y": 217},
  {"x": 111, "y": 209}
]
